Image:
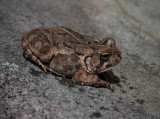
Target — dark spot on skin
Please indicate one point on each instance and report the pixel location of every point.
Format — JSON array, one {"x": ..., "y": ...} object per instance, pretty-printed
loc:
[
  {"x": 54, "y": 43},
  {"x": 45, "y": 49},
  {"x": 89, "y": 42},
  {"x": 42, "y": 37},
  {"x": 74, "y": 41},
  {"x": 74, "y": 58},
  {"x": 62, "y": 33},
  {"x": 34, "y": 72},
  {"x": 66, "y": 45},
  {"x": 29, "y": 56},
  {"x": 25, "y": 48},
  {"x": 96, "y": 114},
  {"x": 95, "y": 41},
  {"x": 78, "y": 66},
  {"x": 81, "y": 36},
  {"x": 140, "y": 101}
]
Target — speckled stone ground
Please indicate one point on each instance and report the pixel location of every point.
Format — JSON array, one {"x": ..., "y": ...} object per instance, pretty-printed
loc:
[{"x": 27, "y": 92}]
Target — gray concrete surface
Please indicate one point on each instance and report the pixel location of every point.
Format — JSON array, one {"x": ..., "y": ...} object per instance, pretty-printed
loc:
[{"x": 27, "y": 92}]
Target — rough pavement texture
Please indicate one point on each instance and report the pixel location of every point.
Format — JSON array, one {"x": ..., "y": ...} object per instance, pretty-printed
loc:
[{"x": 27, "y": 92}]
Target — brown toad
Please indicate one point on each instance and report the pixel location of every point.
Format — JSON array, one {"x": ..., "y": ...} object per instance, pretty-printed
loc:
[{"x": 67, "y": 53}]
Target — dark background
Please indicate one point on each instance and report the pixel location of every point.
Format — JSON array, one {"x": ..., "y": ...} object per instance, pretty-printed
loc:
[{"x": 27, "y": 92}]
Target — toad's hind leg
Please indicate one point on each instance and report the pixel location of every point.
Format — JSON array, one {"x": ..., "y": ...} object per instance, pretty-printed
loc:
[
  {"x": 32, "y": 57},
  {"x": 83, "y": 78}
]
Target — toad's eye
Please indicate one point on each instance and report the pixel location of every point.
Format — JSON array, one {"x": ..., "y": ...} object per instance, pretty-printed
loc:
[{"x": 105, "y": 56}]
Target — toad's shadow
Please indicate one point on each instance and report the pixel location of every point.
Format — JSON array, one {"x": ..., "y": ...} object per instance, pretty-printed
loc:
[{"x": 109, "y": 77}]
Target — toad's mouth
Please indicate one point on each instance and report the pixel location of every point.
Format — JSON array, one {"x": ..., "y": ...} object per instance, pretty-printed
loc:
[{"x": 113, "y": 60}]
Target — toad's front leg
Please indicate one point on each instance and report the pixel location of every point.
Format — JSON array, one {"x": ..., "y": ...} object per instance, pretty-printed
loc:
[{"x": 83, "y": 78}]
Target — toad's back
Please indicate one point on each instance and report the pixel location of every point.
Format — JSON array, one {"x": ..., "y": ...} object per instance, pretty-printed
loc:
[
  {"x": 41, "y": 45},
  {"x": 44, "y": 43}
]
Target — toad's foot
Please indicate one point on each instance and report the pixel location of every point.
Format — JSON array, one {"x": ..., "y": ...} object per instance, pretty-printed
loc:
[{"x": 83, "y": 78}]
